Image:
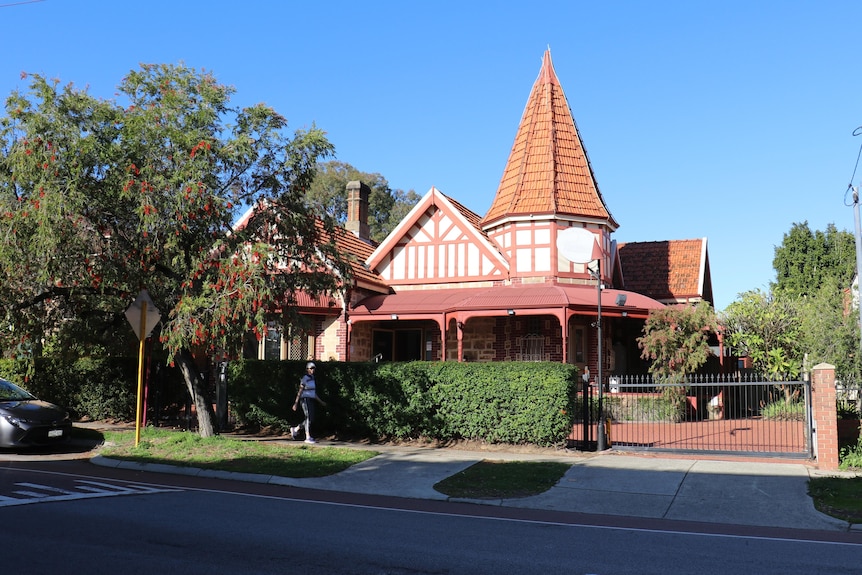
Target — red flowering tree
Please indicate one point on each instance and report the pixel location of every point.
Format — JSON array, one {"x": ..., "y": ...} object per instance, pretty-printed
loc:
[
  {"x": 676, "y": 339},
  {"x": 99, "y": 199}
]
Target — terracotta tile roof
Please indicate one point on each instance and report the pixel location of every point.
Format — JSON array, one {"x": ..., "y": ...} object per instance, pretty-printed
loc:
[
  {"x": 548, "y": 171},
  {"x": 472, "y": 217},
  {"x": 468, "y": 214},
  {"x": 357, "y": 251},
  {"x": 668, "y": 271}
]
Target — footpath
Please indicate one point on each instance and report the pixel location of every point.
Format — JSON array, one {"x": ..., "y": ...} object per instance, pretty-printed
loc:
[{"x": 738, "y": 492}]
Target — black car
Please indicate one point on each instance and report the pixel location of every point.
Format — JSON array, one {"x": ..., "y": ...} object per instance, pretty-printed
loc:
[{"x": 26, "y": 421}]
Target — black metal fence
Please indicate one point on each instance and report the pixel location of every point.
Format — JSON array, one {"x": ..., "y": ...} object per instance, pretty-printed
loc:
[{"x": 741, "y": 414}]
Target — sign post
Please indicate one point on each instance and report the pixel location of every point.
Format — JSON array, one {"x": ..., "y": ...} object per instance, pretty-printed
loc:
[{"x": 143, "y": 315}]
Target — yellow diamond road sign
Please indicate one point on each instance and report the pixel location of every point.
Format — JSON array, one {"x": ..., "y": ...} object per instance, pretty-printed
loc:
[{"x": 143, "y": 315}]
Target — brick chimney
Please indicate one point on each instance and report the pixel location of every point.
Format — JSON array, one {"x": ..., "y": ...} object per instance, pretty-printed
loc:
[{"x": 357, "y": 210}]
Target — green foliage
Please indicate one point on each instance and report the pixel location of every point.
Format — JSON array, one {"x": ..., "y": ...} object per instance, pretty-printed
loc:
[
  {"x": 806, "y": 259},
  {"x": 676, "y": 339},
  {"x": 511, "y": 402},
  {"x": 830, "y": 331},
  {"x": 262, "y": 392},
  {"x": 385, "y": 207},
  {"x": 669, "y": 407},
  {"x": 767, "y": 329},
  {"x": 104, "y": 388},
  {"x": 493, "y": 402},
  {"x": 814, "y": 271},
  {"x": 851, "y": 456},
  {"x": 784, "y": 410}
]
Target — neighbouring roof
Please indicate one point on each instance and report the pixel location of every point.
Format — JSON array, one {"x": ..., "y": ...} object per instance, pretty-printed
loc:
[
  {"x": 548, "y": 171},
  {"x": 668, "y": 271},
  {"x": 358, "y": 251}
]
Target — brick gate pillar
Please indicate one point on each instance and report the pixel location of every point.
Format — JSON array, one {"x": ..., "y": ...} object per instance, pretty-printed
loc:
[{"x": 824, "y": 416}]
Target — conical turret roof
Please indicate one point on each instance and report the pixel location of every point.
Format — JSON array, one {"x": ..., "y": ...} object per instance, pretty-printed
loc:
[{"x": 548, "y": 171}]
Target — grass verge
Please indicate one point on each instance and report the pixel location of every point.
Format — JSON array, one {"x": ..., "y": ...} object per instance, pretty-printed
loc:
[
  {"x": 503, "y": 479},
  {"x": 836, "y": 496},
  {"x": 839, "y": 497},
  {"x": 222, "y": 453}
]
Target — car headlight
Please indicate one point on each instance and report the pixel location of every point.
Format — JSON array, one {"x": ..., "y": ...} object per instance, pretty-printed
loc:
[{"x": 16, "y": 421}]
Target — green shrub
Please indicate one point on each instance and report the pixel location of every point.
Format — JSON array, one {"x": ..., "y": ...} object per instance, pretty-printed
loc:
[
  {"x": 782, "y": 410},
  {"x": 851, "y": 456},
  {"x": 665, "y": 408},
  {"x": 506, "y": 402}
]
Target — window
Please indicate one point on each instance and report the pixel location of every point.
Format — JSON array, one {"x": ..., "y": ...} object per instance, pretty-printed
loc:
[
  {"x": 278, "y": 344},
  {"x": 532, "y": 348}
]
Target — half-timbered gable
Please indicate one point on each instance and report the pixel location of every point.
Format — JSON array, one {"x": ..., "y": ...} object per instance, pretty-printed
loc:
[{"x": 438, "y": 243}]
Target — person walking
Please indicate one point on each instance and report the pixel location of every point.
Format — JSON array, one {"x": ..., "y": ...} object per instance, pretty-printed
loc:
[{"x": 307, "y": 397}]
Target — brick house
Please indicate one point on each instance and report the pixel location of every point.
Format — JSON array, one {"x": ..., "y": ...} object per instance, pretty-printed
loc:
[{"x": 451, "y": 285}]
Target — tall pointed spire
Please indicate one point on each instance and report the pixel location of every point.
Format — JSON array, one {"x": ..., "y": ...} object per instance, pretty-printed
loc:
[{"x": 548, "y": 172}]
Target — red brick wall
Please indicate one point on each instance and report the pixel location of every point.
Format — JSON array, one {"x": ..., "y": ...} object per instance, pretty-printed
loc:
[{"x": 825, "y": 416}]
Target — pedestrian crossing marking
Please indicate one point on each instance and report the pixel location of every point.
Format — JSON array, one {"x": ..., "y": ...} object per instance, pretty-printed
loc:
[{"x": 83, "y": 489}]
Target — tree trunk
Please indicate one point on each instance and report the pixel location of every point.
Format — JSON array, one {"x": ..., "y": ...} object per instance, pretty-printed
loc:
[{"x": 198, "y": 392}]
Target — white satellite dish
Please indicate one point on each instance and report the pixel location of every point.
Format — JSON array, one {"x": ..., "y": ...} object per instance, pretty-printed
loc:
[{"x": 576, "y": 245}]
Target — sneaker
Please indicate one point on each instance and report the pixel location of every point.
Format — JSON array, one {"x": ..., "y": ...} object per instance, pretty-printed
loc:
[
  {"x": 310, "y": 440},
  {"x": 294, "y": 431}
]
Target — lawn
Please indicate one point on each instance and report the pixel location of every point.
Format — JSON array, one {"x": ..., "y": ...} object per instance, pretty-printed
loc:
[{"x": 262, "y": 456}]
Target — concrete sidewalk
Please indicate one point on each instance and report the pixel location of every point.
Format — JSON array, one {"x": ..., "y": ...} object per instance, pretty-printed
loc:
[{"x": 736, "y": 492}]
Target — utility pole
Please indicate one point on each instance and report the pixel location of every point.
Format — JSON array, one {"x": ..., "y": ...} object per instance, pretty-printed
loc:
[
  {"x": 858, "y": 257},
  {"x": 601, "y": 437}
]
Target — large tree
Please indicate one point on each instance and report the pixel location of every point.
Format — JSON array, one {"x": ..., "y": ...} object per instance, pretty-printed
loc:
[
  {"x": 100, "y": 199},
  {"x": 814, "y": 270},
  {"x": 806, "y": 259}
]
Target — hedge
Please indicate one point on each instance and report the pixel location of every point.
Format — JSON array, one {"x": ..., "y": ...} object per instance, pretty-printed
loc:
[{"x": 505, "y": 402}]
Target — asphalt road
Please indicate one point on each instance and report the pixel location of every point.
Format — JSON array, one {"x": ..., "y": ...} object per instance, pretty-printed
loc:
[{"x": 141, "y": 523}]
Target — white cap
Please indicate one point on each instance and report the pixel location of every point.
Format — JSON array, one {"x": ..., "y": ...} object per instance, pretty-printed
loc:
[{"x": 309, "y": 365}]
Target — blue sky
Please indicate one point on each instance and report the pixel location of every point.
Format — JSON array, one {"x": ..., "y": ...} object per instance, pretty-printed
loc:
[{"x": 730, "y": 120}]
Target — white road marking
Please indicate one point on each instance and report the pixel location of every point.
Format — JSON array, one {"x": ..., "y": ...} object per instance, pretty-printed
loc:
[{"x": 39, "y": 493}]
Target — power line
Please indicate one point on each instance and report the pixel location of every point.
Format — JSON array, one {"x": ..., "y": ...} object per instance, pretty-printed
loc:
[{"x": 20, "y": 3}]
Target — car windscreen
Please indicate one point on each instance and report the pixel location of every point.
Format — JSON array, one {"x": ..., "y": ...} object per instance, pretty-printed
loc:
[{"x": 11, "y": 392}]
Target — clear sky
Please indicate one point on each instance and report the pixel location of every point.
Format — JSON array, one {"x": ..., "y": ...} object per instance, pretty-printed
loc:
[{"x": 729, "y": 119}]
